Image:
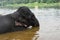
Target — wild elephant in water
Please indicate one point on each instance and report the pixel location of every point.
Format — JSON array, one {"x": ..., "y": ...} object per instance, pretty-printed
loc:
[{"x": 19, "y": 20}]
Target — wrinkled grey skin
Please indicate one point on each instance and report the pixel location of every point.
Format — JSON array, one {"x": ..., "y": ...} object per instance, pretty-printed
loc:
[{"x": 23, "y": 16}]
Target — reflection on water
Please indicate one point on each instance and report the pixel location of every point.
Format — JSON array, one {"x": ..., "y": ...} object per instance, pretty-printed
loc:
[
  {"x": 28, "y": 34},
  {"x": 49, "y": 20}
]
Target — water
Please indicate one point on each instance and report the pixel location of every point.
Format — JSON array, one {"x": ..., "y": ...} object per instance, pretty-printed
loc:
[
  {"x": 49, "y": 20},
  {"x": 49, "y": 24}
]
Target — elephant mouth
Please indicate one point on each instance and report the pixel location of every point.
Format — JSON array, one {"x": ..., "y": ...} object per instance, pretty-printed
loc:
[{"x": 20, "y": 24}]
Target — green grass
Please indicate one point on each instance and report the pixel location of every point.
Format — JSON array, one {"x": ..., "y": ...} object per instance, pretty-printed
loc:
[
  {"x": 32, "y": 5},
  {"x": 49, "y": 5}
]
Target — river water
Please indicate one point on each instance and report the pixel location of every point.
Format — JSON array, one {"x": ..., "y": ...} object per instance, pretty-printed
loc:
[{"x": 49, "y": 29}]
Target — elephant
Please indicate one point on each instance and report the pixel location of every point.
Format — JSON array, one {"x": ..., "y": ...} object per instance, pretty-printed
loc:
[{"x": 19, "y": 20}]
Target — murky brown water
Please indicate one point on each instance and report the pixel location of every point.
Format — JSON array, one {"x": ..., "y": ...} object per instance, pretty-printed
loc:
[{"x": 28, "y": 34}]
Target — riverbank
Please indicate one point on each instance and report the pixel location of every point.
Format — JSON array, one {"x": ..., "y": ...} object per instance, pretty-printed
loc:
[{"x": 32, "y": 5}]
